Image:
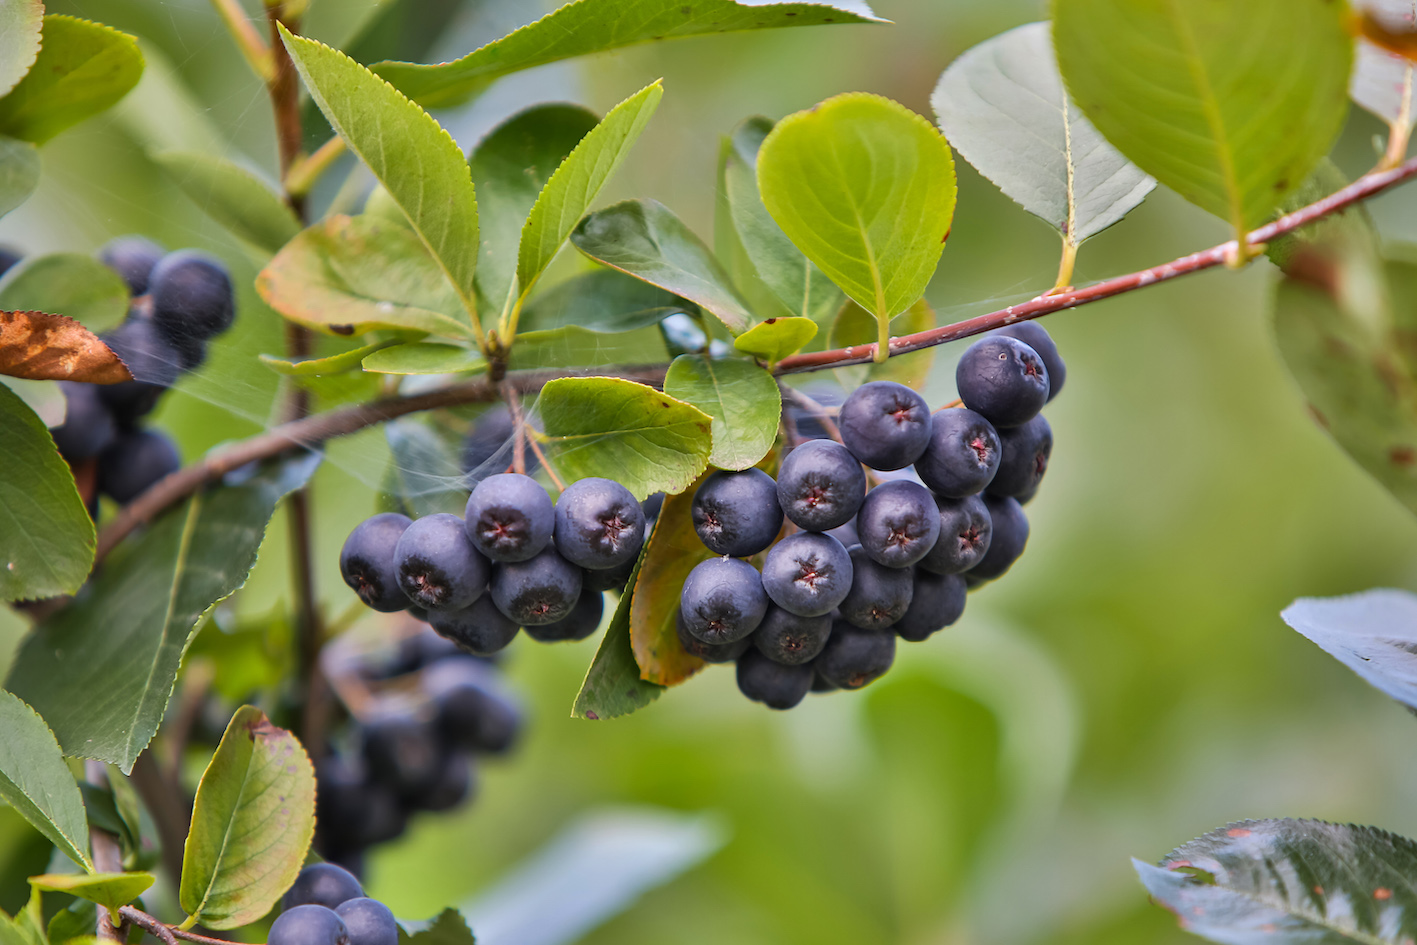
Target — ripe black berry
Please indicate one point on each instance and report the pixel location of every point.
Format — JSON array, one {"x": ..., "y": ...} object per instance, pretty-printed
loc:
[
  {"x": 710, "y": 652},
  {"x": 807, "y": 573},
  {"x": 1010, "y": 534},
  {"x": 581, "y": 622},
  {"x": 322, "y": 884},
  {"x": 87, "y": 428},
  {"x": 599, "y": 524},
  {"x": 437, "y": 566},
  {"x": 367, "y": 561},
  {"x": 1036, "y": 337},
  {"x": 775, "y": 685},
  {"x": 488, "y": 447},
  {"x": 509, "y": 517},
  {"x": 611, "y": 579},
  {"x": 453, "y": 785},
  {"x": 402, "y": 751},
  {"x": 786, "y": 638},
  {"x": 478, "y": 628},
  {"x": 963, "y": 455},
  {"x": 472, "y": 708},
  {"x": 885, "y": 425},
  {"x": 536, "y": 592},
  {"x": 936, "y": 602},
  {"x": 854, "y": 657},
  {"x": 369, "y": 921},
  {"x": 879, "y": 595},
  {"x": 820, "y": 485},
  {"x": 737, "y": 513},
  {"x": 1003, "y": 379},
  {"x": 965, "y": 532},
  {"x": 308, "y": 925},
  {"x": 152, "y": 360},
  {"x": 1025, "y": 455},
  {"x": 134, "y": 462},
  {"x": 192, "y": 296},
  {"x": 133, "y": 258},
  {"x": 723, "y": 600},
  {"x": 898, "y": 523}
]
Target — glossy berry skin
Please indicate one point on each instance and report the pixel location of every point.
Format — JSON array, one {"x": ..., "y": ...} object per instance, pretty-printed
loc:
[
  {"x": 898, "y": 523},
  {"x": 723, "y": 600},
  {"x": 737, "y": 513},
  {"x": 134, "y": 462},
  {"x": 885, "y": 425},
  {"x": 479, "y": 627},
  {"x": 710, "y": 652},
  {"x": 775, "y": 685},
  {"x": 1036, "y": 337},
  {"x": 437, "y": 566},
  {"x": 963, "y": 455},
  {"x": 1025, "y": 454},
  {"x": 937, "y": 601},
  {"x": 599, "y": 524},
  {"x": 965, "y": 533},
  {"x": 88, "y": 426},
  {"x": 369, "y": 921},
  {"x": 152, "y": 360},
  {"x": 509, "y": 517},
  {"x": 367, "y": 561},
  {"x": 1002, "y": 379},
  {"x": 473, "y": 709},
  {"x": 322, "y": 884},
  {"x": 581, "y": 622},
  {"x": 808, "y": 574},
  {"x": 308, "y": 925},
  {"x": 192, "y": 296},
  {"x": 820, "y": 485},
  {"x": 1010, "y": 534},
  {"x": 879, "y": 595},
  {"x": 854, "y": 657},
  {"x": 133, "y": 258},
  {"x": 402, "y": 751},
  {"x": 536, "y": 592},
  {"x": 611, "y": 579},
  {"x": 789, "y": 639}
]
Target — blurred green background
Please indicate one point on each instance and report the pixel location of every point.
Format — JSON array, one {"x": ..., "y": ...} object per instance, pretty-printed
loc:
[{"x": 1128, "y": 686}]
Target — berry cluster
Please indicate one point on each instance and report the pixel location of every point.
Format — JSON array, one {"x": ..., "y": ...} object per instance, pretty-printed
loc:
[
  {"x": 413, "y": 748},
  {"x": 860, "y": 567},
  {"x": 326, "y": 906},
  {"x": 514, "y": 560},
  {"x": 180, "y": 301}
]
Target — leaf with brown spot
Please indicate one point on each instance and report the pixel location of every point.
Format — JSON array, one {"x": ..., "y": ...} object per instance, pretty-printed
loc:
[
  {"x": 41, "y": 347},
  {"x": 674, "y": 550}
]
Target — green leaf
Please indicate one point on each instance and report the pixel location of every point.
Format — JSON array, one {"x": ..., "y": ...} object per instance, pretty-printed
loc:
[
  {"x": 606, "y": 426},
  {"x": 612, "y": 685},
  {"x": 423, "y": 357},
  {"x": 252, "y": 822},
  {"x": 69, "y": 284},
  {"x": 644, "y": 238},
  {"x": 36, "y": 782},
  {"x": 424, "y": 474},
  {"x": 673, "y": 550},
  {"x": 418, "y": 162},
  {"x": 509, "y": 169},
  {"x": 77, "y": 920},
  {"x": 855, "y": 326},
  {"x": 46, "y": 536},
  {"x": 329, "y": 365},
  {"x": 576, "y": 183},
  {"x": 801, "y": 287},
  {"x": 110, "y": 890},
  {"x": 45, "y": 398},
  {"x": 1373, "y": 633},
  {"x": 19, "y": 172},
  {"x": 1190, "y": 92},
  {"x": 866, "y": 189},
  {"x": 124, "y": 637},
  {"x": 776, "y": 338},
  {"x": 1003, "y": 107},
  {"x": 590, "y": 26},
  {"x": 351, "y": 275},
  {"x": 20, "y": 24},
  {"x": 740, "y": 396},
  {"x": 1290, "y": 881},
  {"x": 446, "y": 928},
  {"x": 82, "y": 69},
  {"x": 27, "y": 927},
  {"x": 603, "y": 300},
  {"x": 234, "y": 197}
]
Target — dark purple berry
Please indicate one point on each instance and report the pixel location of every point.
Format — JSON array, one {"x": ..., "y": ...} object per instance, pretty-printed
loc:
[
  {"x": 488, "y": 447},
  {"x": 709, "y": 652},
  {"x": 152, "y": 360},
  {"x": 581, "y": 622},
  {"x": 599, "y": 524},
  {"x": 786, "y": 638},
  {"x": 885, "y": 425},
  {"x": 308, "y": 925},
  {"x": 134, "y": 462},
  {"x": 437, "y": 566},
  {"x": 1036, "y": 337},
  {"x": 1025, "y": 454},
  {"x": 88, "y": 426},
  {"x": 367, "y": 561},
  {"x": 322, "y": 884},
  {"x": 820, "y": 485},
  {"x": 192, "y": 296},
  {"x": 898, "y": 523},
  {"x": 133, "y": 258},
  {"x": 454, "y": 784},
  {"x": 1010, "y": 534},
  {"x": 610, "y": 579},
  {"x": 775, "y": 685},
  {"x": 723, "y": 600},
  {"x": 473, "y": 709},
  {"x": 737, "y": 513},
  {"x": 965, "y": 531},
  {"x": 9, "y": 258},
  {"x": 936, "y": 602},
  {"x": 478, "y": 628},
  {"x": 854, "y": 657},
  {"x": 369, "y": 921},
  {"x": 1002, "y": 379},
  {"x": 807, "y": 573},
  {"x": 536, "y": 592},
  {"x": 963, "y": 455},
  {"x": 879, "y": 595},
  {"x": 402, "y": 751},
  {"x": 510, "y": 517}
]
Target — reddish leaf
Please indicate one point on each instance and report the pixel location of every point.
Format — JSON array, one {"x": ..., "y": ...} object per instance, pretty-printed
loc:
[
  {"x": 40, "y": 347},
  {"x": 674, "y": 549}
]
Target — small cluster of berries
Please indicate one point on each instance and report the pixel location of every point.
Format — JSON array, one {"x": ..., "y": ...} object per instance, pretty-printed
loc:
[
  {"x": 326, "y": 906},
  {"x": 180, "y": 301},
  {"x": 863, "y": 568},
  {"x": 414, "y": 747}
]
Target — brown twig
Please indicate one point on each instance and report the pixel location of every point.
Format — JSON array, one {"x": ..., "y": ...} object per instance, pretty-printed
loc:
[
  {"x": 148, "y": 924},
  {"x": 518, "y": 428},
  {"x": 107, "y": 854}
]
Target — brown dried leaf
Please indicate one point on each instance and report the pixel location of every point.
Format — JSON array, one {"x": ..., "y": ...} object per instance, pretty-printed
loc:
[
  {"x": 1398, "y": 38},
  {"x": 674, "y": 549},
  {"x": 41, "y": 347}
]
